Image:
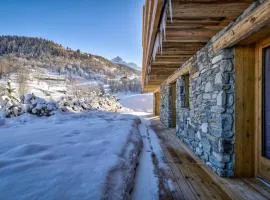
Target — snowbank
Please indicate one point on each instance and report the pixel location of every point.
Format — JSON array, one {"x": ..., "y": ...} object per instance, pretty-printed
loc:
[
  {"x": 68, "y": 156},
  {"x": 32, "y": 104},
  {"x": 138, "y": 102}
]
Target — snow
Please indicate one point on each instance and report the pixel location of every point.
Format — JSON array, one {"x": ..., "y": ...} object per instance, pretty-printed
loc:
[
  {"x": 119, "y": 60},
  {"x": 71, "y": 156},
  {"x": 146, "y": 182},
  {"x": 138, "y": 102},
  {"x": 90, "y": 155}
]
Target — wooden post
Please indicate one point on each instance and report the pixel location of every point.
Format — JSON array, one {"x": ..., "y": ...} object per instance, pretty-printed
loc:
[{"x": 156, "y": 103}]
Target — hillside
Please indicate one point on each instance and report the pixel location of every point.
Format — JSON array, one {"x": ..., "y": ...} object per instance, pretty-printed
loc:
[
  {"x": 45, "y": 76},
  {"x": 18, "y": 52}
]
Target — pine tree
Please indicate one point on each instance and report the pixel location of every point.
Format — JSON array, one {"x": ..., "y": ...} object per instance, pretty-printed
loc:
[{"x": 10, "y": 93}]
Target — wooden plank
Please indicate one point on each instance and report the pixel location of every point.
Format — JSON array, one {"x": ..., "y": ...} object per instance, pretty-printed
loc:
[
  {"x": 167, "y": 72},
  {"x": 262, "y": 163},
  {"x": 248, "y": 25},
  {"x": 245, "y": 111},
  {"x": 157, "y": 89},
  {"x": 210, "y": 1},
  {"x": 189, "y": 176},
  {"x": 212, "y": 9},
  {"x": 233, "y": 188},
  {"x": 195, "y": 32},
  {"x": 155, "y": 18},
  {"x": 156, "y": 103},
  {"x": 183, "y": 70},
  {"x": 194, "y": 23},
  {"x": 168, "y": 63},
  {"x": 258, "y": 186}
]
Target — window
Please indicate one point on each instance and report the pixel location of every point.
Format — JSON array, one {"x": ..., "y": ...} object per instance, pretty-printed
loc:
[{"x": 185, "y": 100}]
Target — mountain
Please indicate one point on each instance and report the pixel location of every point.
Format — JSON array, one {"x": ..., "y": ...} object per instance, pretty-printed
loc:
[
  {"x": 38, "y": 54},
  {"x": 119, "y": 60}
]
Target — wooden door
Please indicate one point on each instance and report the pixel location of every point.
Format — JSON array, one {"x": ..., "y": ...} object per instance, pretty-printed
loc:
[
  {"x": 173, "y": 106},
  {"x": 263, "y": 109}
]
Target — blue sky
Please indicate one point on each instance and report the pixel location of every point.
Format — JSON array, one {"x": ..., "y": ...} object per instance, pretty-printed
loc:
[{"x": 108, "y": 28}]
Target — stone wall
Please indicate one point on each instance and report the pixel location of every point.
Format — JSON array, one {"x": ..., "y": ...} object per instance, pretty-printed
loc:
[
  {"x": 207, "y": 126},
  {"x": 166, "y": 105}
]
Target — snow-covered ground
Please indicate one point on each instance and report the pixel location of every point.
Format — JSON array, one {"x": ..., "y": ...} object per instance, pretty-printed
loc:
[
  {"x": 89, "y": 155},
  {"x": 139, "y": 103},
  {"x": 72, "y": 156}
]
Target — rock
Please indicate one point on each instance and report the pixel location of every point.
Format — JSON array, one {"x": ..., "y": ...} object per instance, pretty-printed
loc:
[
  {"x": 206, "y": 96},
  {"x": 208, "y": 87},
  {"x": 204, "y": 127},
  {"x": 227, "y": 122},
  {"x": 218, "y": 78},
  {"x": 198, "y": 151},
  {"x": 206, "y": 146},
  {"x": 221, "y": 157},
  {"x": 230, "y": 98},
  {"x": 198, "y": 135},
  {"x": 221, "y": 98},
  {"x": 226, "y": 65}
]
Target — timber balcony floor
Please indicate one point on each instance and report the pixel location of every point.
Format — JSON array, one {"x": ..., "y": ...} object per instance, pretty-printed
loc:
[{"x": 194, "y": 180}]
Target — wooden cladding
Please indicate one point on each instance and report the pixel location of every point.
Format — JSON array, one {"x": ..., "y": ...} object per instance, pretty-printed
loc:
[
  {"x": 192, "y": 25},
  {"x": 244, "y": 111},
  {"x": 261, "y": 108},
  {"x": 151, "y": 16},
  {"x": 157, "y": 103},
  {"x": 252, "y": 23},
  {"x": 252, "y": 110}
]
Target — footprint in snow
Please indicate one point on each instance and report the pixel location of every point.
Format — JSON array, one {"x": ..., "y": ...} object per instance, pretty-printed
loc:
[
  {"x": 73, "y": 133},
  {"x": 26, "y": 150}
]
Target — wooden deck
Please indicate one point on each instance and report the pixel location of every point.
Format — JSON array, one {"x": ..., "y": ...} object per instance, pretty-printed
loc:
[{"x": 194, "y": 180}]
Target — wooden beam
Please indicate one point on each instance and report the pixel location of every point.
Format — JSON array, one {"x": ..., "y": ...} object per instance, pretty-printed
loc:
[
  {"x": 158, "y": 66},
  {"x": 157, "y": 89},
  {"x": 259, "y": 18},
  {"x": 157, "y": 77},
  {"x": 166, "y": 72},
  {"x": 212, "y": 9},
  {"x": 195, "y": 32},
  {"x": 176, "y": 52},
  {"x": 190, "y": 39},
  {"x": 168, "y": 63},
  {"x": 153, "y": 28},
  {"x": 183, "y": 70},
  {"x": 172, "y": 59}
]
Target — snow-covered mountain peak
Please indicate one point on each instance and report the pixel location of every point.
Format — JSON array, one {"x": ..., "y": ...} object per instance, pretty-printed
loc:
[{"x": 119, "y": 60}]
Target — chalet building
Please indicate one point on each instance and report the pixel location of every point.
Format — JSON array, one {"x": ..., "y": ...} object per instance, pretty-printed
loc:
[{"x": 208, "y": 64}]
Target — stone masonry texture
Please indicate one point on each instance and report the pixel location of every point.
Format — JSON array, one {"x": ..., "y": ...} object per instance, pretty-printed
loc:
[{"x": 207, "y": 125}]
